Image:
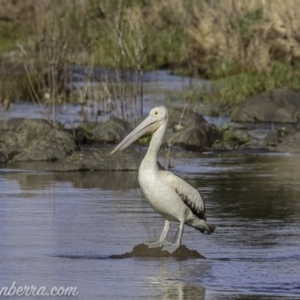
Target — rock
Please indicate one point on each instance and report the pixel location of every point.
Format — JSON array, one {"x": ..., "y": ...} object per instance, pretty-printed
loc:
[
  {"x": 280, "y": 105},
  {"x": 272, "y": 138},
  {"x": 290, "y": 143},
  {"x": 36, "y": 140},
  {"x": 55, "y": 145},
  {"x": 100, "y": 159},
  {"x": 11, "y": 124},
  {"x": 232, "y": 139},
  {"x": 188, "y": 129},
  {"x": 237, "y": 135},
  {"x": 224, "y": 146},
  {"x": 282, "y": 139},
  {"x": 80, "y": 136},
  {"x": 3, "y": 158},
  {"x": 255, "y": 144},
  {"x": 142, "y": 250},
  {"x": 111, "y": 131}
]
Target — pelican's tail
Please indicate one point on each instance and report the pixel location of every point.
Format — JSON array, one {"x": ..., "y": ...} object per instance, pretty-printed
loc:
[
  {"x": 208, "y": 229},
  {"x": 203, "y": 226}
]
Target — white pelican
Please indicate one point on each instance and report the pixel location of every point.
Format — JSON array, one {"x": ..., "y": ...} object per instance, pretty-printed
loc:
[{"x": 168, "y": 194}]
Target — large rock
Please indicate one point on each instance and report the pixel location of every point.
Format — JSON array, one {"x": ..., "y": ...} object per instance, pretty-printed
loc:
[
  {"x": 111, "y": 131},
  {"x": 188, "y": 128},
  {"x": 280, "y": 105},
  {"x": 3, "y": 158},
  {"x": 36, "y": 140},
  {"x": 100, "y": 160},
  {"x": 11, "y": 124}
]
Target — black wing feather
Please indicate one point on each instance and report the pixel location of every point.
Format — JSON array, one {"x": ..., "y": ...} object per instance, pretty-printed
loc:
[{"x": 197, "y": 212}]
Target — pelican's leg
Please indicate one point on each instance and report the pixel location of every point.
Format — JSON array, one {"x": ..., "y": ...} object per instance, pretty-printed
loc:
[
  {"x": 162, "y": 240},
  {"x": 173, "y": 247}
]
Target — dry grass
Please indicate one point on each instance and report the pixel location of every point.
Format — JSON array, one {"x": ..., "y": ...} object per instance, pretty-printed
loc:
[
  {"x": 251, "y": 34},
  {"x": 207, "y": 38},
  {"x": 197, "y": 34}
]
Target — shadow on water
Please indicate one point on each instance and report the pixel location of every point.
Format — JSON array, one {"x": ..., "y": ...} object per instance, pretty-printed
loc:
[
  {"x": 48, "y": 218},
  {"x": 82, "y": 180}
]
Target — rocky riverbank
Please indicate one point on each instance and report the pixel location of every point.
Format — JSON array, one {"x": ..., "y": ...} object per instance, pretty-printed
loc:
[
  {"x": 82, "y": 148},
  {"x": 267, "y": 121}
]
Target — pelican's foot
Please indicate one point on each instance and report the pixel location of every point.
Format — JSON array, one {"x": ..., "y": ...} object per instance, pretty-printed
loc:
[
  {"x": 170, "y": 247},
  {"x": 156, "y": 244}
]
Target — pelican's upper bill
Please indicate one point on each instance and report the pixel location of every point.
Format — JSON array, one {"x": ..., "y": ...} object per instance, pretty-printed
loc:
[{"x": 157, "y": 116}]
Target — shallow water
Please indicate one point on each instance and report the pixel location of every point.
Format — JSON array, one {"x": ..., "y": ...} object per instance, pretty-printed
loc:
[
  {"x": 252, "y": 198},
  {"x": 157, "y": 85}
]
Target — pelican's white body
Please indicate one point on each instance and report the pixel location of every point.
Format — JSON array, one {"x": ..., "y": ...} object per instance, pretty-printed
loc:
[
  {"x": 160, "y": 195},
  {"x": 168, "y": 194},
  {"x": 162, "y": 188}
]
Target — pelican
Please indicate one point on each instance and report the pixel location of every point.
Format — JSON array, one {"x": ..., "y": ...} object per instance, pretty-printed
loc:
[{"x": 169, "y": 195}]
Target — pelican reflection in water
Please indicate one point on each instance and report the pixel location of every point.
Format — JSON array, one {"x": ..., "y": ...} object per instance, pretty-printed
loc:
[{"x": 169, "y": 195}]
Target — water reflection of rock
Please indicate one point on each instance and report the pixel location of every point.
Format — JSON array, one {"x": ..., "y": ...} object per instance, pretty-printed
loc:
[
  {"x": 178, "y": 289},
  {"x": 103, "y": 180},
  {"x": 86, "y": 180}
]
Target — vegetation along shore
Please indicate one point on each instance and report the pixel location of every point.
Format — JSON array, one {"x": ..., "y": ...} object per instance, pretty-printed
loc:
[{"x": 245, "y": 47}]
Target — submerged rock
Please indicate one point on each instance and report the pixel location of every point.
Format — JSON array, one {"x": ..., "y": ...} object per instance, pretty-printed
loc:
[
  {"x": 281, "y": 105},
  {"x": 142, "y": 250},
  {"x": 101, "y": 160}
]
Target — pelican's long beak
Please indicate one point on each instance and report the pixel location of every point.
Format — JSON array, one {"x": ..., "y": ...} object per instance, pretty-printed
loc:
[{"x": 150, "y": 124}]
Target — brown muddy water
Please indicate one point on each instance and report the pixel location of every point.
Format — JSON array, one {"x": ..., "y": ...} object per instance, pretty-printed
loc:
[{"x": 47, "y": 219}]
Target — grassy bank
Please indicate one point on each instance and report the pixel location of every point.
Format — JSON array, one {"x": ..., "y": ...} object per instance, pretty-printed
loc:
[{"x": 246, "y": 46}]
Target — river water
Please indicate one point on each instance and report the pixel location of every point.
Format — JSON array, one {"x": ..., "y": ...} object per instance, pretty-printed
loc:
[
  {"x": 59, "y": 229},
  {"x": 47, "y": 219}
]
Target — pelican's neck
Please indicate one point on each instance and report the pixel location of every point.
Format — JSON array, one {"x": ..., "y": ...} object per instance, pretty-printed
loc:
[{"x": 156, "y": 141}]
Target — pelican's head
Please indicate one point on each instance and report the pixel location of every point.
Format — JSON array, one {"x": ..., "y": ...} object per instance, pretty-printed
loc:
[{"x": 158, "y": 117}]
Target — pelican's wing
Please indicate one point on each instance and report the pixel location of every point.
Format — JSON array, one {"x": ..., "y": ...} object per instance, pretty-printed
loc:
[{"x": 190, "y": 196}]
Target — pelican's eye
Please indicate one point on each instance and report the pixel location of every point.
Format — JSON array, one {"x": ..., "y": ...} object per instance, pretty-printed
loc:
[{"x": 156, "y": 113}]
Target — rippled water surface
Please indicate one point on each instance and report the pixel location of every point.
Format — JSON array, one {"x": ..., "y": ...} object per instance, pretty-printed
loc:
[{"x": 253, "y": 199}]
